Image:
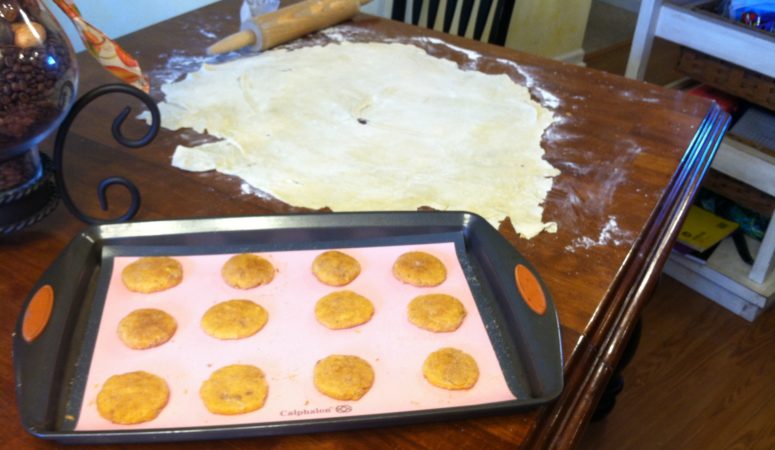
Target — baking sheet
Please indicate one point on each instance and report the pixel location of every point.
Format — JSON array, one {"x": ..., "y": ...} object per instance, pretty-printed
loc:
[
  {"x": 52, "y": 371},
  {"x": 288, "y": 347}
]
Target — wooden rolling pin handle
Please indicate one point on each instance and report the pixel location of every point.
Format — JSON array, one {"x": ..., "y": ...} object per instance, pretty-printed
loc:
[
  {"x": 236, "y": 41},
  {"x": 288, "y": 23}
]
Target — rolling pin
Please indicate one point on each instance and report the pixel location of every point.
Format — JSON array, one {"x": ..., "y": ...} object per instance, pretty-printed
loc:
[{"x": 268, "y": 30}]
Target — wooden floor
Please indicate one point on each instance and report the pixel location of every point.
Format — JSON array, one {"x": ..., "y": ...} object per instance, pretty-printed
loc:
[
  {"x": 702, "y": 378},
  {"x": 660, "y": 69}
]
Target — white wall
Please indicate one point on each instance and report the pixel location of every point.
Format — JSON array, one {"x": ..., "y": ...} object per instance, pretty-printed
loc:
[
  {"x": 117, "y": 18},
  {"x": 377, "y": 8}
]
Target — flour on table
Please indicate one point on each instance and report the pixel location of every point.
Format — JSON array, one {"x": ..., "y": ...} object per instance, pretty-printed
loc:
[
  {"x": 369, "y": 126},
  {"x": 610, "y": 234}
]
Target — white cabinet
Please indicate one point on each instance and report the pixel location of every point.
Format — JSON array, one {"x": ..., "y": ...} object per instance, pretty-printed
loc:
[{"x": 678, "y": 21}]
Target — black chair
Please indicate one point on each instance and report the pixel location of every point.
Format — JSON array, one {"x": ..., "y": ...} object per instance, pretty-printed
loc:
[{"x": 500, "y": 18}]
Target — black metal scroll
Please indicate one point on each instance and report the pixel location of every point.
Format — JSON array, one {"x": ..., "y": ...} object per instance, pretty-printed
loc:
[{"x": 64, "y": 129}]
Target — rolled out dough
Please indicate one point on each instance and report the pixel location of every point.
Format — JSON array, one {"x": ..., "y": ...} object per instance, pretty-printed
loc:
[{"x": 369, "y": 126}]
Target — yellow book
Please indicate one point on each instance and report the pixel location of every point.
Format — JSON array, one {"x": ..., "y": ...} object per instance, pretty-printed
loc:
[{"x": 702, "y": 229}]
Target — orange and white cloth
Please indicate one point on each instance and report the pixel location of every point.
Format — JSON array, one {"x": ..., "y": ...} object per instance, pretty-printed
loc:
[{"x": 106, "y": 51}]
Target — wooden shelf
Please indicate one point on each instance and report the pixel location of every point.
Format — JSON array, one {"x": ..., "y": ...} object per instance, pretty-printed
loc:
[
  {"x": 743, "y": 289},
  {"x": 724, "y": 279},
  {"x": 745, "y": 163},
  {"x": 756, "y": 169},
  {"x": 705, "y": 32}
]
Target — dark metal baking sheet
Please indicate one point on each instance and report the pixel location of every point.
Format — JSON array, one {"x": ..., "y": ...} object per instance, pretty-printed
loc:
[{"x": 51, "y": 370}]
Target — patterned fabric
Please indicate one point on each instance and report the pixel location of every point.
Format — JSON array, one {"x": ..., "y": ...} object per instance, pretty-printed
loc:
[{"x": 106, "y": 51}]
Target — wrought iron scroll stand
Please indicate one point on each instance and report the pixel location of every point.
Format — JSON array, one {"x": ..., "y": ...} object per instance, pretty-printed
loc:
[
  {"x": 61, "y": 137},
  {"x": 33, "y": 200}
]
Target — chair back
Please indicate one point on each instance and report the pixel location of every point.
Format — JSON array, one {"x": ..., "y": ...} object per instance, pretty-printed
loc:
[{"x": 491, "y": 18}]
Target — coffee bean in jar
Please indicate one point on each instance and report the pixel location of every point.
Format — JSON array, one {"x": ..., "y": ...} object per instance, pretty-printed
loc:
[{"x": 38, "y": 73}]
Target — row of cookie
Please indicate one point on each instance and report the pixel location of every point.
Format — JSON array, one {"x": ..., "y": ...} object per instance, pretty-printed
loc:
[
  {"x": 138, "y": 397},
  {"x": 246, "y": 271},
  {"x": 236, "y": 319}
]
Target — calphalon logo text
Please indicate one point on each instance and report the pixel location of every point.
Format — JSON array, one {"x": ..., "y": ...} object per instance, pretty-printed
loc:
[{"x": 342, "y": 409}]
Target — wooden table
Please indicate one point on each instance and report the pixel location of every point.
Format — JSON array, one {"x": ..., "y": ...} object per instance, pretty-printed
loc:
[{"x": 631, "y": 157}]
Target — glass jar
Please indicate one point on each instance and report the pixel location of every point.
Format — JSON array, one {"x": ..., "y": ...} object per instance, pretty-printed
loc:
[{"x": 38, "y": 77}]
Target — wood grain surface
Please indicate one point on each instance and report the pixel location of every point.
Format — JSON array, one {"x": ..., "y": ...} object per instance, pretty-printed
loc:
[
  {"x": 626, "y": 179},
  {"x": 710, "y": 367}
]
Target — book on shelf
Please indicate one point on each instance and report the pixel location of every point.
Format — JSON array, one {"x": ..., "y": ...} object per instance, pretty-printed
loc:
[
  {"x": 694, "y": 255},
  {"x": 703, "y": 230}
]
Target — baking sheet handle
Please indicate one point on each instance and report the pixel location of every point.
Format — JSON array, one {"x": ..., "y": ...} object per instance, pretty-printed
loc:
[
  {"x": 538, "y": 334},
  {"x": 40, "y": 363}
]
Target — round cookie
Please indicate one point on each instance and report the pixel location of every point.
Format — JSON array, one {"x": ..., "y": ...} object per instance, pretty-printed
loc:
[
  {"x": 343, "y": 377},
  {"x": 152, "y": 274},
  {"x": 450, "y": 368},
  {"x": 234, "y": 319},
  {"x": 335, "y": 268},
  {"x": 419, "y": 269},
  {"x": 234, "y": 389},
  {"x": 133, "y": 397},
  {"x": 436, "y": 312},
  {"x": 343, "y": 309},
  {"x": 146, "y": 328},
  {"x": 247, "y": 271}
]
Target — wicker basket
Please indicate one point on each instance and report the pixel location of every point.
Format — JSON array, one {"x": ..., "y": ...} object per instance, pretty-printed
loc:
[{"x": 730, "y": 78}]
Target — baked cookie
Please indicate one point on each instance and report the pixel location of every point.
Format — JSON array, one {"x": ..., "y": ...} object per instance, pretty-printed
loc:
[
  {"x": 343, "y": 309},
  {"x": 436, "y": 312},
  {"x": 450, "y": 368},
  {"x": 343, "y": 377},
  {"x": 234, "y": 319},
  {"x": 419, "y": 269},
  {"x": 146, "y": 328},
  {"x": 247, "y": 271},
  {"x": 235, "y": 389},
  {"x": 133, "y": 397},
  {"x": 152, "y": 274},
  {"x": 335, "y": 268}
]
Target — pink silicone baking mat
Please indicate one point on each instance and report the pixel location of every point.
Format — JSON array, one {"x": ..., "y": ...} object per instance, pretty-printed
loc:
[{"x": 292, "y": 341}]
